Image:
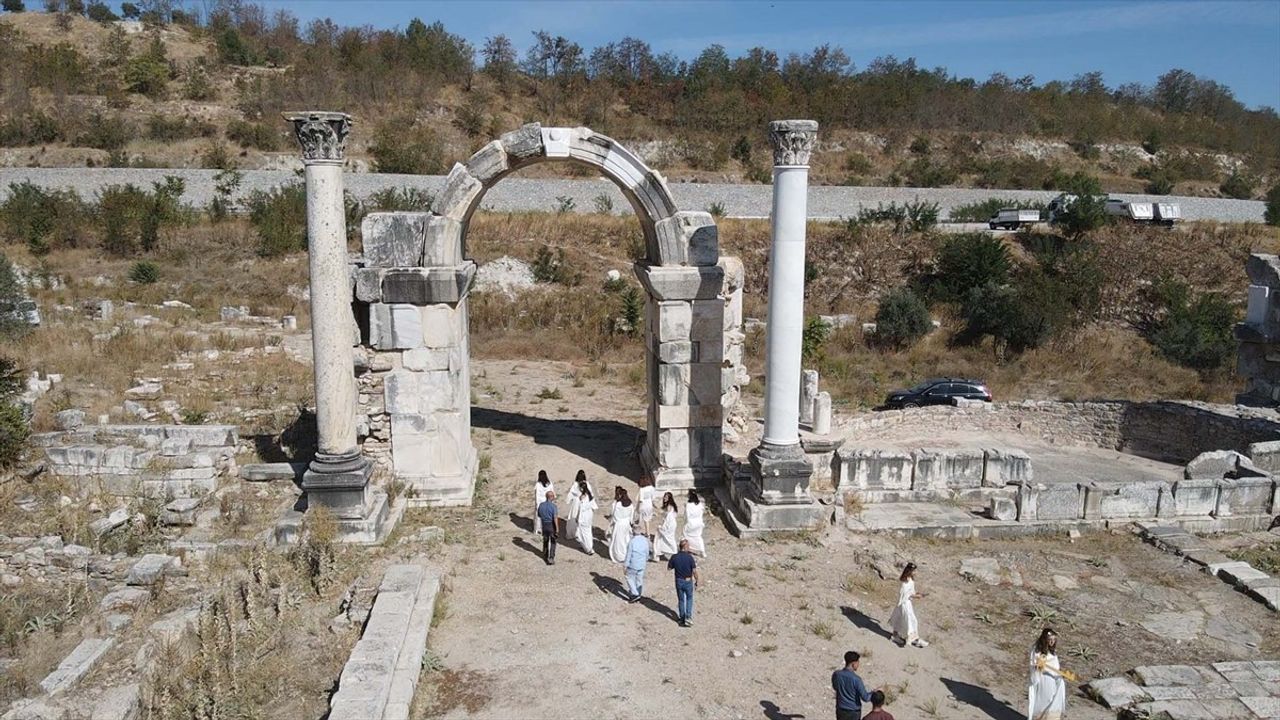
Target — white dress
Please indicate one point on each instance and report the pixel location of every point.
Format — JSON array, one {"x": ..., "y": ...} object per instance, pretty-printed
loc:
[
  {"x": 693, "y": 528},
  {"x": 620, "y": 531},
  {"x": 539, "y": 496},
  {"x": 645, "y": 507},
  {"x": 585, "y": 517},
  {"x": 903, "y": 620},
  {"x": 665, "y": 544},
  {"x": 1047, "y": 694}
]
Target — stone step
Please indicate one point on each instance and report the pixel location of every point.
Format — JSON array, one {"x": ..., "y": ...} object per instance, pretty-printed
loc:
[{"x": 76, "y": 665}]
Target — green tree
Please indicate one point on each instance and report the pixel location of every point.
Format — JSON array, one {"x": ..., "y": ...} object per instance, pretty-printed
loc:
[
  {"x": 1272, "y": 212},
  {"x": 100, "y": 12},
  {"x": 1087, "y": 209},
  {"x": 968, "y": 261},
  {"x": 13, "y": 6},
  {"x": 149, "y": 72},
  {"x": 1239, "y": 185},
  {"x": 130, "y": 11},
  {"x": 901, "y": 319},
  {"x": 1189, "y": 329},
  {"x": 813, "y": 337}
]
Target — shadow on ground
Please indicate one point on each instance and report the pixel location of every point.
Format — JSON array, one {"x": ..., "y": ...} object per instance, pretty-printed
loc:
[
  {"x": 773, "y": 712},
  {"x": 614, "y": 586},
  {"x": 865, "y": 622},
  {"x": 610, "y": 444},
  {"x": 982, "y": 699}
]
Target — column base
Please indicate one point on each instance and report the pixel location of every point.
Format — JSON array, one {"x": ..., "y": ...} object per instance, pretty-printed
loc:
[
  {"x": 780, "y": 474},
  {"x": 746, "y": 515},
  {"x": 339, "y": 483},
  {"x": 371, "y": 529}
]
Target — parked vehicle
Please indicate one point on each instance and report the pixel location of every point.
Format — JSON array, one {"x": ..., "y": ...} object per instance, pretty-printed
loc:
[
  {"x": 1057, "y": 207},
  {"x": 1167, "y": 213},
  {"x": 1135, "y": 211},
  {"x": 1013, "y": 218},
  {"x": 938, "y": 391}
]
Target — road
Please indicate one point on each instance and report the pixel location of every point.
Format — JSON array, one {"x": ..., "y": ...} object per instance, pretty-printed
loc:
[{"x": 517, "y": 194}]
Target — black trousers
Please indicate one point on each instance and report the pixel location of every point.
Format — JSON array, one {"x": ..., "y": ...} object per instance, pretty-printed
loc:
[
  {"x": 548, "y": 545},
  {"x": 848, "y": 714}
]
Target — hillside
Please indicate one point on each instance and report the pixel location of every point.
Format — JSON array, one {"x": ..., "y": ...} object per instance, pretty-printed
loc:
[{"x": 174, "y": 92}]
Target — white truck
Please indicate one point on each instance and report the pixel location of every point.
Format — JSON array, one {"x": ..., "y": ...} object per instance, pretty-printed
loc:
[
  {"x": 1133, "y": 211},
  {"x": 1166, "y": 213},
  {"x": 1141, "y": 212},
  {"x": 1013, "y": 218}
]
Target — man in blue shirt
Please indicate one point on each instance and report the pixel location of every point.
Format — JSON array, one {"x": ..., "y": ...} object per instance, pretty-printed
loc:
[
  {"x": 686, "y": 572},
  {"x": 637, "y": 558},
  {"x": 547, "y": 515},
  {"x": 850, "y": 692}
]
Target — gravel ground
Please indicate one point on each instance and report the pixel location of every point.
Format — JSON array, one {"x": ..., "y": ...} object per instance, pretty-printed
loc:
[{"x": 518, "y": 194}]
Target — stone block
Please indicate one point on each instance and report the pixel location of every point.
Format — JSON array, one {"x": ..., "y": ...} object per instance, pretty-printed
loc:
[
  {"x": 938, "y": 470},
  {"x": 523, "y": 143},
  {"x": 687, "y": 238},
  {"x": 1116, "y": 692},
  {"x": 427, "y": 285},
  {"x": 1246, "y": 496},
  {"x": 677, "y": 351},
  {"x": 1059, "y": 501},
  {"x": 1006, "y": 466},
  {"x": 1002, "y": 508},
  {"x": 395, "y": 327},
  {"x": 673, "y": 320},
  {"x": 411, "y": 438},
  {"x": 1108, "y": 500},
  {"x": 1263, "y": 707},
  {"x": 1168, "y": 676},
  {"x": 121, "y": 702},
  {"x": 420, "y": 359},
  {"x": 180, "y": 512},
  {"x": 266, "y": 472},
  {"x": 681, "y": 283},
  {"x": 1240, "y": 575},
  {"x": 459, "y": 193},
  {"x": 76, "y": 665},
  {"x": 822, "y": 414},
  {"x": 1217, "y": 464},
  {"x": 874, "y": 469},
  {"x": 69, "y": 419},
  {"x": 443, "y": 246},
  {"x": 368, "y": 286},
  {"x": 150, "y": 568},
  {"x": 808, "y": 392},
  {"x": 685, "y": 416},
  {"x": 393, "y": 239},
  {"x": 1265, "y": 456},
  {"x": 673, "y": 448},
  {"x": 707, "y": 320},
  {"x": 489, "y": 163},
  {"x": 175, "y": 446},
  {"x": 1195, "y": 497}
]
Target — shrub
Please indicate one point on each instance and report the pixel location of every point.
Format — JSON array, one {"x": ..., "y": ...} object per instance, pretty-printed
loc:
[
  {"x": 99, "y": 12},
  {"x": 253, "y": 135},
  {"x": 550, "y": 267},
  {"x": 161, "y": 127},
  {"x": 603, "y": 204},
  {"x": 225, "y": 185},
  {"x": 405, "y": 198},
  {"x": 14, "y": 432},
  {"x": 1191, "y": 330},
  {"x": 716, "y": 210},
  {"x": 968, "y": 261},
  {"x": 144, "y": 272},
  {"x": 279, "y": 216},
  {"x": 105, "y": 132},
  {"x": 34, "y": 128},
  {"x": 632, "y": 315},
  {"x": 915, "y": 216},
  {"x": 1239, "y": 185},
  {"x": 233, "y": 50},
  {"x": 131, "y": 218},
  {"x": 1160, "y": 183},
  {"x": 564, "y": 204},
  {"x": 1021, "y": 173},
  {"x": 983, "y": 210},
  {"x": 149, "y": 72},
  {"x": 1089, "y": 209},
  {"x": 416, "y": 152},
  {"x": 41, "y": 218},
  {"x": 196, "y": 84},
  {"x": 901, "y": 319},
  {"x": 815, "y": 334},
  {"x": 1272, "y": 214},
  {"x": 216, "y": 156},
  {"x": 925, "y": 173},
  {"x": 13, "y": 6},
  {"x": 920, "y": 145}
]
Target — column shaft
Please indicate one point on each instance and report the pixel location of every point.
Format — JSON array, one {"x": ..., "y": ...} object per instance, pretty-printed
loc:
[{"x": 785, "y": 331}]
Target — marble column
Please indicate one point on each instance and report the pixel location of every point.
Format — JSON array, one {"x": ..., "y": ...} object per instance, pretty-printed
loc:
[
  {"x": 780, "y": 469},
  {"x": 338, "y": 477}
]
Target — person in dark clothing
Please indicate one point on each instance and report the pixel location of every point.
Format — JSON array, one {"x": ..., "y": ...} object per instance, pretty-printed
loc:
[
  {"x": 685, "y": 568},
  {"x": 877, "y": 707},
  {"x": 547, "y": 517},
  {"x": 850, "y": 692}
]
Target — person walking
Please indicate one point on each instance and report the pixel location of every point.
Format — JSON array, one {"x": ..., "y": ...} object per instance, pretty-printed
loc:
[
  {"x": 540, "y": 489},
  {"x": 877, "y": 707},
  {"x": 621, "y": 515},
  {"x": 644, "y": 506},
  {"x": 693, "y": 524},
  {"x": 849, "y": 689},
  {"x": 665, "y": 544},
  {"x": 547, "y": 517},
  {"x": 586, "y": 513},
  {"x": 906, "y": 628},
  {"x": 685, "y": 568},
  {"x": 1047, "y": 692},
  {"x": 637, "y": 559}
]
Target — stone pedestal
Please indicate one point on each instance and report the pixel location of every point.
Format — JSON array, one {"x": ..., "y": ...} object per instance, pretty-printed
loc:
[{"x": 1258, "y": 356}]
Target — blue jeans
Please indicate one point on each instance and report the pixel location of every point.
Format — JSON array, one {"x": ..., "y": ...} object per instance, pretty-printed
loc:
[
  {"x": 635, "y": 582},
  {"x": 684, "y": 599}
]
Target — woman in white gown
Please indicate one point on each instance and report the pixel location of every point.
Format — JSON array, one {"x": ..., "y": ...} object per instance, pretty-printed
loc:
[
  {"x": 644, "y": 506},
  {"x": 1047, "y": 693},
  {"x": 693, "y": 524},
  {"x": 906, "y": 629},
  {"x": 586, "y": 512},
  {"x": 620, "y": 517},
  {"x": 665, "y": 545},
  {"x": 540, "y": 490}
]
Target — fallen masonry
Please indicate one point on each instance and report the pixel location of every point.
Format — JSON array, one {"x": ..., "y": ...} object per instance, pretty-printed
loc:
[
  {"x": 1240, "y": 575},
  {"x": 1248, "y": 690}
]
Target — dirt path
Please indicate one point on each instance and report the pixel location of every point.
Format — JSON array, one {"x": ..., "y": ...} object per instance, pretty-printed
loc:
[{"x": 521, "y": 639}]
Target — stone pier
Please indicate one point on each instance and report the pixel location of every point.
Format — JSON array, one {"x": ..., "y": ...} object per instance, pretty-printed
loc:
[
  {"x": 1258, "y": 357},
  {"x": 775, "y": 496}
]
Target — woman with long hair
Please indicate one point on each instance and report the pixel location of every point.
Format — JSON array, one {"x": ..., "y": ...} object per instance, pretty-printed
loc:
[
  {"x": 644, "y": 505},
  {"x": 906, "y": 628},
  {"x": 693, "y": 524},
  {"x": 665, "y": 544},
  {"x": 540, "y": 489},
  {"x": 1047, "y": 693},
  {"x": 620, "y": 517},
  {"x": 586, "y": 513}
]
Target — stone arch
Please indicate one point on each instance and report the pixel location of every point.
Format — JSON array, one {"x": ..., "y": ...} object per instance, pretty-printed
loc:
[{"x": 692, "y": 332}]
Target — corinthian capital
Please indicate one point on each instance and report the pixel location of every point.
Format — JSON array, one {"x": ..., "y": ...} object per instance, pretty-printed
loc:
[
  {"x": 322, "y": 135},
  {"x": 792, "y": 141}
]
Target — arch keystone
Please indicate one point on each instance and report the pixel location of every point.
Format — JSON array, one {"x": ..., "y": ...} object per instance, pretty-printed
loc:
[
  {"x": 460, "y": 189},
  {"x": 687, "y": 238},
  {"x": 523, "y": 143}
]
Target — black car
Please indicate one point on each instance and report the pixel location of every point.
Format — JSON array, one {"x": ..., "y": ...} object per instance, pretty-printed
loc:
[{"x": 939, "y": 391}]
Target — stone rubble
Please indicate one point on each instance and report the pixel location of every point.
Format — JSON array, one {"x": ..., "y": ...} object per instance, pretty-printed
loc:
[
  {"x": 1237, "y": 690},
  {"x": 1240, "y": 575}
]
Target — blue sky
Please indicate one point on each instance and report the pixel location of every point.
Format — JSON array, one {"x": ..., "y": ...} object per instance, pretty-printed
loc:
[{"x": 1235, "y": 43}]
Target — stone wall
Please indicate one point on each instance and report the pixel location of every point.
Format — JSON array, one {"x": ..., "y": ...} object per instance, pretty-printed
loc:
[
  {"x": 159, "y": 461},
  {"x": 1188, "y": 499},
  {"x": 924, "y": 474}
]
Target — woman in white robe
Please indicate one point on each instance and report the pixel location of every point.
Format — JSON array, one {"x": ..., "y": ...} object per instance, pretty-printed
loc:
[
  {"x": 540, "y": 490},
  {"x": 644, "y": 506},
  {"x": 906, "y": 628},
  {"x": 665, "y": 544},
  {"x": 693, "y": 524},
  {"x": 585, "y": 513},
  {"x": 1047, "y": 692},
  {"x": 620, "y": 517}
]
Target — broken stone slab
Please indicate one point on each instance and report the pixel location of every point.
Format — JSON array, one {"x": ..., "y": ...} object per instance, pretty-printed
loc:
[
  {"x": 266, "y": 472},
  {"x": 1174, "y": 675},
  {"x": 122, "y": 702},
  {"x": 145, "y": 391},
  {"x": 116, "y": 622},
  {"x": 150, "y": 568},
  {"x": 34, "y": 709},
  {"x": 393, "y": 239},
  {"x": 173, "y": 627},
  {"x": 1269, "y": 596},
  {"x": 1002, "y": 508},
  {"x": 1216, "y": 569},
  {"x": 76, "y": 665},
  {"x": 125, "y": 598},
  {"x": 1217, "y": 464},
  {"x": 1116, "y": 692},
  {"x": 102, "y": 526},
  {"x": 1206, "y": 557},
  {"x": 681, "y": 283},
  {"x": 69, "y": 419},
  {"x": 181, "y": 512},
  {"x": 523, "y": 143},
  {"x": 427, "y": 286},
  {"x": 1240, "y": 576},
  {"x": 1180, "y": 626},
  {"x": 1263, "y": 707},
  {"x": 986, "y": 570}
]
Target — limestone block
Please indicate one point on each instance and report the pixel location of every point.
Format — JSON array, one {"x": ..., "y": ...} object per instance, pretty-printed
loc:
[
  {"x": 873, "y": 469},
  {"x": 460, "y": 191},
  {"x": 451, "y": 447},
  {"x": 680, "y": 283},
  {"x": 121, "y": 702},
  {"x": 706, "y": 444},
  {"x": 808, "y": 392},
  {"x": 443, "y": 246},
  {"x": 395, "y": 326},
  {"x": 420, "y": 359},
  {"x": 205, "y": 436},
  {"x": 148, "y": 570},
  {"x": 1108, "y": 500},
  {"x": 708, "y": 351},
  {"x": 436, "y": 390},
  {"x": 1258, "y": 304},
  {"x": 687, "y": 238},
  {"x": 673, "y": 448},
  {"x": 523, "y": 143},
  {"x": 175, "y": 446},
  {"x": 1247, "y": 496},
  {"x": 673, "y": 321},
  {"x": 438, "y": 327},
  {"x": 368, "y": 286},
  {"x": 76, "y": 665},
  {"x": 488, "y": 163},
  {"x": 427, "y": 285},
  {"x": 69, "y": 419},
  {"x": 411, "y": 439},
  {"x": 1195, "y": 497},
  {"x": 1002, "y": 508},
  {"x": 1266, "y": 456},
  {"x": 677, "y": 351},
  {"x": 822, "y": 414},
  {"x": 401, "y": 392},
  {"x": 1116, "y": 692},
  {"x": 1005, "y": 466},
  {"x": 943, "y": 469},
  {"x": 1058, "y": 501},
  {"x": 393, "y": 239},
  {"x": 707, "y": 320},
  {"x": 1218, "y": 464},
  {"x": 555, "y": 141},
  {"x": 590, "y": 147},
  {"x": 684, "y": 416}
]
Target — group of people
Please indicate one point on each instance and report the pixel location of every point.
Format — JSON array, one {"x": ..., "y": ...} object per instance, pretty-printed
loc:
[{"x": 632, "y": 540}]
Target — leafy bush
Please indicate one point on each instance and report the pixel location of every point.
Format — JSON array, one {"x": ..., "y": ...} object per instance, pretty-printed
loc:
[
  {"x": 968, "y": 261},
  {"x": 901, "y": 319},
  {"x": 225, "y": 185},
  {"x": 550, "y": 267},
  {"x": 925, "y": 173},
  {"x": 41, "y": 218},
  {"x": 1089, "y": 209},
  {"x": 131, "y": 218},
  {"x": 13, "y": 6},
  {"x": 216, "y": 156},
  {"x": 416, "y": 152},
  {"x": 983, "y": 210},
  {"x": 1239, "y": 185},
  {"x": 14, "y": 432},
  {"x": 105, "y": 132},
  {"x": 1021, "y": 173},
  {"x": 34, "y": 128},
  {"x": 253, "y": 135},
  {"x": 1161, "y": 183},
  {"x": 162, "y": 127},
  {"x": 279, "y": 216},
  {"x": 1272, "y": 214},
  {"x": 149, "y": 72},
  {"x": 914, "y": 216},
  {"x": 405, "y": 198},
  {"x": 196, "y": 84},
  {"x": 99, "y": 12},
  {"x": 144, "y": 272},
  {"x": 920, "y": 145},
  {"x": 815, "y": 335},
  {"x": 1191, "y": 330}
]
